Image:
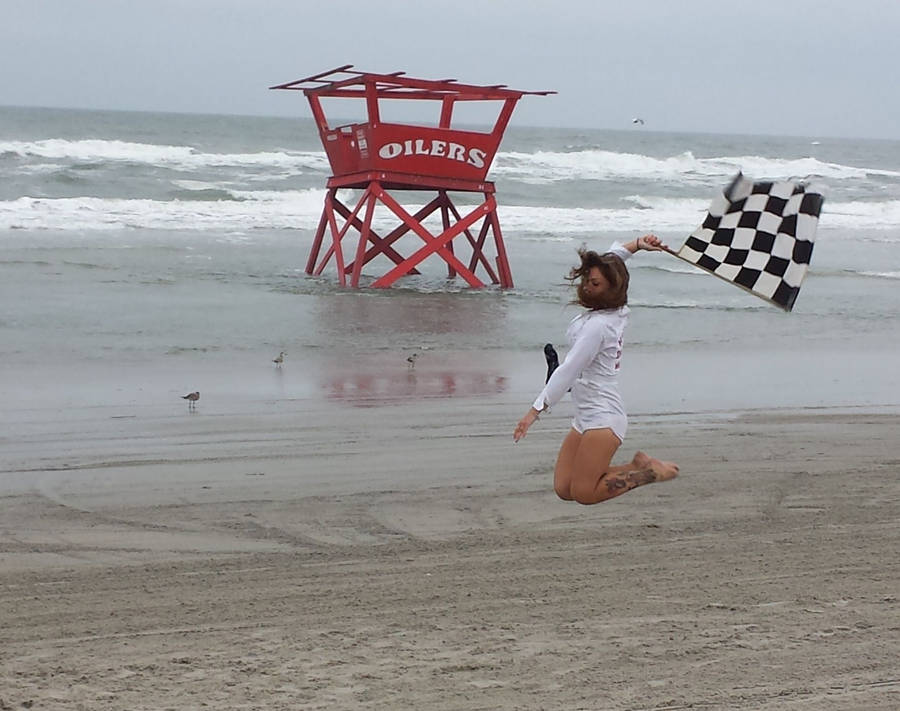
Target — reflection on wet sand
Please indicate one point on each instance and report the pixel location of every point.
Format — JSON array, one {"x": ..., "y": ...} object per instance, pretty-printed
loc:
[
  {"x": 402, "y": 345},
  {"x": 363, "y": 322},
  {"x": 370, "y": 389}
]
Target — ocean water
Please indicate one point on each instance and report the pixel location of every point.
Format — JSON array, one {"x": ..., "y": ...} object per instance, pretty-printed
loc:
[{"x": 174, "y": 246}]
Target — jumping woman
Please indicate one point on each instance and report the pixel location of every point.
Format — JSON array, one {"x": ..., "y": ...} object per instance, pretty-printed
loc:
[{"x": 590, "y": 369}]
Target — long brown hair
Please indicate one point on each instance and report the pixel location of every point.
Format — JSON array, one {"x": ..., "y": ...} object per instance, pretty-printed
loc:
[{"x": 612, "y": 268}]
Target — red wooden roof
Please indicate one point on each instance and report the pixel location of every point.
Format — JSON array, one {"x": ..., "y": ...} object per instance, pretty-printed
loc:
[{"x": 348, "y": 83}]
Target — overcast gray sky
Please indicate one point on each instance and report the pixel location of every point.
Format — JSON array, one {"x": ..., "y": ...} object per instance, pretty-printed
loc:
[{"x": 799, "y": 67}]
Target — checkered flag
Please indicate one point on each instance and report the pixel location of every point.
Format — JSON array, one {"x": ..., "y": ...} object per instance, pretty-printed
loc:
[{"x": 758, "y": 236}]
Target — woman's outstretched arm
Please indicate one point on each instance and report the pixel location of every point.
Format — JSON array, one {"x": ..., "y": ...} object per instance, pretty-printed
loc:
[
  {"x": 583, "y": 351},
  {"x": 648, "y": 242}
]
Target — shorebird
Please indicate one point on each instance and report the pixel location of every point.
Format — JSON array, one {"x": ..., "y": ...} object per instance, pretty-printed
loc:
[
  {"x": 191, "y": 398},
  {"x": 637, "y": 120},
  {"x": 412, "y": 360},
  {"x": 280, "y": 359}
]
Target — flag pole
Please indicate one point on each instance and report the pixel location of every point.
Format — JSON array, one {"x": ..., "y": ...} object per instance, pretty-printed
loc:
[{"x": 678, "y": 256}]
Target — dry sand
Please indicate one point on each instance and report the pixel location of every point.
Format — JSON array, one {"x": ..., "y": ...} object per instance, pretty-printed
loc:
[{"x": 319, "y": 555}]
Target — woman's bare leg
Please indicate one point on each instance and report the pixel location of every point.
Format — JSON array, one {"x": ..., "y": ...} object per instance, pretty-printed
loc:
[
  {"x": 565, "y": 465},
  {"x": 595, "y": 451},
  {"x": 593, "y": 480},
  {"x": 613, "y": 485}
]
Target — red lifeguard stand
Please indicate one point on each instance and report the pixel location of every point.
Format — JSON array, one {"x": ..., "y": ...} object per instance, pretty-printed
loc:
[{"x": 378, "y": 157}]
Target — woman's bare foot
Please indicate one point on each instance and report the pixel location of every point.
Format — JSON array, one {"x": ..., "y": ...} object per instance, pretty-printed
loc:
[
  {"x": 641, "y": 460},
  {"x": 663, "y": 470}
]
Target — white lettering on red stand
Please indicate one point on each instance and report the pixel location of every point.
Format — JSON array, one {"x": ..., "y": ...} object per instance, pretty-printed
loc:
[
  {"x": 456, "y": 152},
  {"x": 390, "y": 150},
  {"x": 439, "y": 149}
]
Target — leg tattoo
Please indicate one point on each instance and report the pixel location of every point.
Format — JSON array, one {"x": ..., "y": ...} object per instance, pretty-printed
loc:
[{"x": 620, "y": 483}]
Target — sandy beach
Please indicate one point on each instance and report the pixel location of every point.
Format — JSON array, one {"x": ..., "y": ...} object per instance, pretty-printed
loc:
[
  {"x": 354, "y": 528},
  {"x": 356, "y": 553}
]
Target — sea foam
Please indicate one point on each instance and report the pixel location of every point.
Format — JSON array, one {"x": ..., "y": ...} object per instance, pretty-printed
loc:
[
  {"x": 183, "y": 157},
  {"x": 681, "y": 168},
  {"x": 301, "y": 209},
  {"x": 538, "y": 166}
]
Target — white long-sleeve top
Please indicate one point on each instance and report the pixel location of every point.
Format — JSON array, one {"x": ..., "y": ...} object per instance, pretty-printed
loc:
[{"x": 592, "y": 362}]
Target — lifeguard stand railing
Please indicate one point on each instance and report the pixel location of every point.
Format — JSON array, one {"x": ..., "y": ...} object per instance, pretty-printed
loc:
[{"x": 382, "y": 157}]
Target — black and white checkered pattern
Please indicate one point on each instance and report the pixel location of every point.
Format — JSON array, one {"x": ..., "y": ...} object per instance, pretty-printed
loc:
[{"x": 758, "y": 236}]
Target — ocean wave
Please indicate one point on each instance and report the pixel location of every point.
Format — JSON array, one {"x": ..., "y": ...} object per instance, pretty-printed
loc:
[
  {"x": 881, "y": 239},
  {"x": 203, "y": 190},
  {"x": 698, "y": 305},
  {"x": 206, "y": 194},
  {"x": 686, "y": 269},
  {"x": 300, "y": 209},
  {"x": 595, "y": 164},
  {"x": 183, "y": 157},
  {"x": 843, "y": 272},
  {"x": 209, "y": 207},
  {"x": 879, "y": 275},
  {"x": 537, "y": 167}
]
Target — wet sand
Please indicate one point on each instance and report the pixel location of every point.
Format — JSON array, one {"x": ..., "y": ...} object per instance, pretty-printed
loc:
[{"x": 344, "y": 553}]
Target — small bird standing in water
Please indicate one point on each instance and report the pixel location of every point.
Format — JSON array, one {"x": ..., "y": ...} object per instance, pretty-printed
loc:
[
  {"x": 412, "y": 360},
  {"x": 280, "y": 359},
  {"x": 191, "y": 398}
]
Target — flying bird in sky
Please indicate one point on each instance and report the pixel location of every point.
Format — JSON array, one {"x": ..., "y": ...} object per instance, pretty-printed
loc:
[{"x": 638, "y": 121}]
